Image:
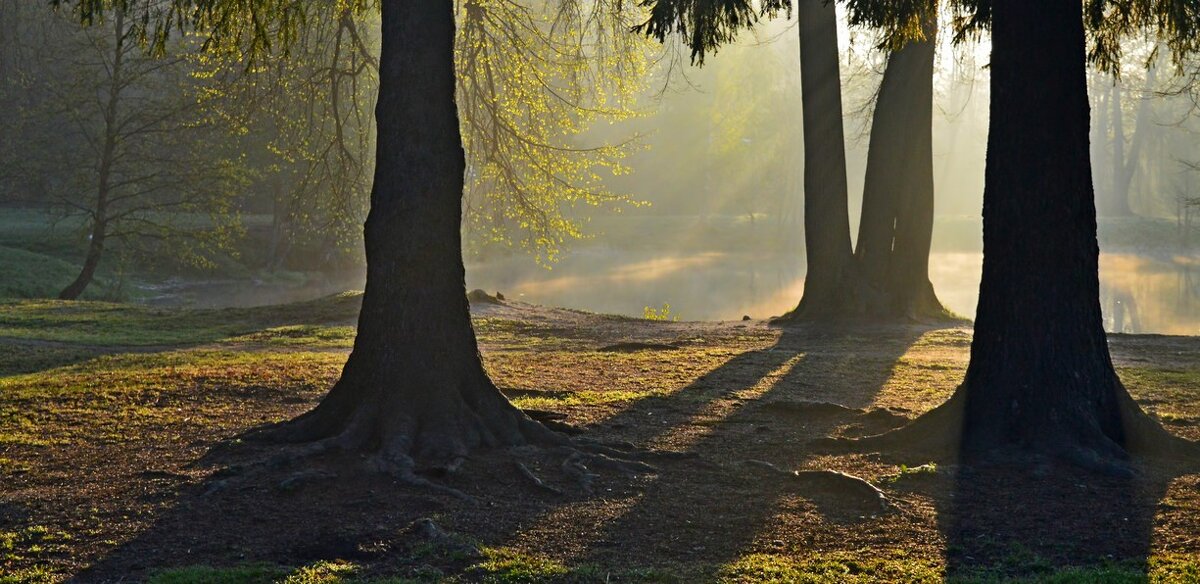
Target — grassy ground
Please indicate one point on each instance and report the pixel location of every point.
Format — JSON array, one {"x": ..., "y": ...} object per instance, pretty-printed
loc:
[{"x": 120, "y": 459}]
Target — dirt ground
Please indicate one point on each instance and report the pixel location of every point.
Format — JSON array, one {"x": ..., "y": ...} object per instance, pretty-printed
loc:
[{"x": 117, "y": 462}]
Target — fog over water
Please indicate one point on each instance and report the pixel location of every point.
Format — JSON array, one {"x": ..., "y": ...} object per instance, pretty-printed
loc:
[{"x": 1139, "y": 294}]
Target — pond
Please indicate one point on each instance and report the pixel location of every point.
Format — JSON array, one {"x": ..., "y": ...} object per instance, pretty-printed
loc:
[{"x": 1140, "y": 294}]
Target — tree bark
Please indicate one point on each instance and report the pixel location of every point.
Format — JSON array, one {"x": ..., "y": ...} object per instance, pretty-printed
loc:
[
  {"x": 414, "y": 388},
  {"x": 896, "y": 231},
  {"x": 1040, "y": 377},
  {"x": 826, "y": 215},
  {"x": 108, "y": 151}
]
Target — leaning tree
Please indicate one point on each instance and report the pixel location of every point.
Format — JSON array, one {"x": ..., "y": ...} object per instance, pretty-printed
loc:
[{"x": 1040, "y": 378}]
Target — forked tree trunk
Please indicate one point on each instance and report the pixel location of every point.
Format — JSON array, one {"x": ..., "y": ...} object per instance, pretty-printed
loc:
[
  {"x": 826, "y": 216},
  {"x": 1040, "y": 377},
  {"x": 414, "y": 388},
  {"x": 896, "y": 230}
]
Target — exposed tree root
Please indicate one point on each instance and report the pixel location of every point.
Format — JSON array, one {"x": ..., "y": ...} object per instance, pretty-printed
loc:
[
  {"x": 574, "y": 468},
  {"x": 479, "y": 297},
  {"x": 854, "y": 300},
  {"x": 390, "y": 452},
  {"x": 533, "y": 478},
  {"x": 939, "y": 435},
  {"x": 875, "y": 416},
  {"x": 830, "y": 483},
  {"x": 554, "y": 421}
]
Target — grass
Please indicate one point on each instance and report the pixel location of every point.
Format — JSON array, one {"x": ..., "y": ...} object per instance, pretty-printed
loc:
[
  {"x": 41, "y": 276},
  {"x": 89, "y": 372},
  {"x": 508, "y": 566},
  {"x": 116, "y": 398},
  {"x": 128, "y": 325},
  {"x": 318, "y": 573}
]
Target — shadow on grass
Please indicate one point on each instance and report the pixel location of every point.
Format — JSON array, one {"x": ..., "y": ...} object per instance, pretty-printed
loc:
[
  {"x": 39, "y": 335},
  {"x": 712, "y": 510},
  {"x": 1032, "y": 520}
]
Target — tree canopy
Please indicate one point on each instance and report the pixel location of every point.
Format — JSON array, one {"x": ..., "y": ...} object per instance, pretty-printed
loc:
[
  {"x": 533, "y": 79},
  {"x": 705, "y": 25}
]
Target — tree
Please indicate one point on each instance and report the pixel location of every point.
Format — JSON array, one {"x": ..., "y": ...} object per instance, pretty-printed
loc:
[
  {"x": 1113, "y": 198},
  {"x": 895, "y": 232},
  {"x": 114, "y": 137},
  {"x": 826, "y": 212},
  {"x": 887, "y": 274},
  {"x": 533, "y": 77},
  {"x": 414, "y": 386},
  {"x": 1040, "y": 379},
  {"x": 414, "y": 391}
]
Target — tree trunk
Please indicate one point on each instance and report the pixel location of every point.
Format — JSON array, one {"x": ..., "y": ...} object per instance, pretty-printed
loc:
[
  {"x": 1117, "y": 203},
  {"x": 896, "y": 231},
  {"x": 108, "y": 151},
  {"x": 92, "y": 261},
  {"x": 414, "y": 388},
  {"x": 1099, "y": 142},
  {"x": 826, "y": 216},
  {"x": 1129, "y": 163},
  {"x": 1040, "y": 377}
]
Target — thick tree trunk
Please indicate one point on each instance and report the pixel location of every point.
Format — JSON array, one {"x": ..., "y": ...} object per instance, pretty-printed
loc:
[
  {"x": 414, "y": 388},
  {"x": 1040, "y": 377},
  {"x": 896, "y": 231},
  {"x": 826, "y": 216}
]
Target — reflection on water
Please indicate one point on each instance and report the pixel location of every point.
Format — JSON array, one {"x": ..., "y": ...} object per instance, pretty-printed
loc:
[{"x": 1139, "y": 294}]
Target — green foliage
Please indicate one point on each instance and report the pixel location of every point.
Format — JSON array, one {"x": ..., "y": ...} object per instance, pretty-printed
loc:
[
  {"x": 706, "y": 25},
  {"x": 120, "y": 143},
  {"x": 534, "y": 76},
  {"x": 664, "y": 314},
  {"x": 532, "y": 79}
]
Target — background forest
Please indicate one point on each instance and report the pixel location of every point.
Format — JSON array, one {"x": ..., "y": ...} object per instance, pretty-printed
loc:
[{"x": 234, "y": 183}]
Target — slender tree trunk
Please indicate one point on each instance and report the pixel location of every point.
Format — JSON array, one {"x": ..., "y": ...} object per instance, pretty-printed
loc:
[
  {"x": 896, "y": 231},
  {"x": 1117, "y": 203},
  {"x": 104, "y": 175},
  {"x": 1099, "y": 142},
  {"x": 826, "y": 216},
  {"x": 280, "y": 231},
  {"x": 1040, "y": 377},
  {"x": 414, "y": 388},
  {"x": 1129, "y": 163}
]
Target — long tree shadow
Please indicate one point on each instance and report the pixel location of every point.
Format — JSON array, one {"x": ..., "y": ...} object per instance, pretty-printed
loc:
[
  {"x": 762, "y": 406},
  {"x": 293, "y": 515},
  {"x": 1022, "y": 520}
]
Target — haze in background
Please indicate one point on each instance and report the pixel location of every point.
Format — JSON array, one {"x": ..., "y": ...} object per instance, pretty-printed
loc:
[{"x": 722, "y": 169}]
